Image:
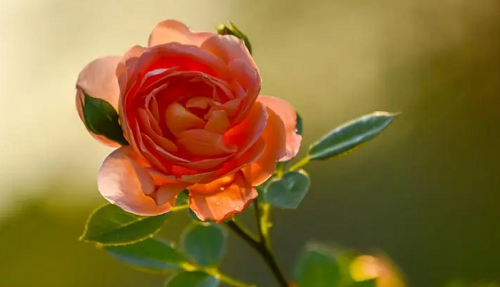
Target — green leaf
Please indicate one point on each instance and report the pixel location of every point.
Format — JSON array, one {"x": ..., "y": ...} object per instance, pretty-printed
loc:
[
  {"x": 367, "y": 283},
  {"x": 288, "y": 191},
  {"x": 204, "y": 243},
  {"x": 102, "y": 119},
  {"x": 317, "y": 267},
  {"x": 350, "y": 135},
  {"x": 182, "y": 198},
  {"x": 193, "y": 215},
  {"x": 231, "y": 29},
  {"x": 110, "y": 225},
  {"x": 192, "y": 279},
  {"x": 151, "y": 254}
]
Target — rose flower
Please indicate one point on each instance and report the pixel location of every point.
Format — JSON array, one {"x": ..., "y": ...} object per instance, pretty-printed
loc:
[{"x": 190, "y": 109}]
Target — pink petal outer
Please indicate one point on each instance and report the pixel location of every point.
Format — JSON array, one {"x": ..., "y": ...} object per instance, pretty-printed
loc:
[
  {"x": 289, "y": 117},
  {"x": 169, "y": 31},
  {"x": 228, "y": 48},
  {"x": 127, "y": 64},
  {"x": 124, "y": 181},
  {"x": 98, "y": 79},
  {"x": 274, "y": 137},
  {"x": 222, "y": 205}
]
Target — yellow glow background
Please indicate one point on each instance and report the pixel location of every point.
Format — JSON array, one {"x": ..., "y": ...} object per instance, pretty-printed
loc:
[{"x": 427, "y": 191}]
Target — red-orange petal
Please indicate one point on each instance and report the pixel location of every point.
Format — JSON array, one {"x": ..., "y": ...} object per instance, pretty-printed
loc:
[
  {"x": 199, "y": 102},
  {"x": 178, "y": 119},
  {"x": 222, "y": 205},
  {"x": 169, "y": 31},
  {"x": 215, "y": 186},
  {"x": 201, "y": 142},
  {"x": 218, "y": 122},
  {"x": 98, "y": 79},
  {"x": 288, "y": 116},
  {"x": 246, "y": 133},
  {"x": 124, "y": 181},
  {"x": 275, "y": 138}
]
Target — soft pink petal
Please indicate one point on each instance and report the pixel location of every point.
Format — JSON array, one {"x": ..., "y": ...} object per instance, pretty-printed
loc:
[
  {"x": 228, "y": 48},
  {"x": 127, "y": 64},
  {"x": 123, "y": 181},
  {"x": 289, "y": 117},
  {"x": 275, "y": 139},
  {"x": 230, "y": 199},
  {"x": 169, "y": 31},
  {"x": 98, "y": 79}
]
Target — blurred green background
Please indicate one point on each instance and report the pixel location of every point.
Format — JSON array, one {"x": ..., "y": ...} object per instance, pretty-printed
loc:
[{"x": 427, "y": 191}]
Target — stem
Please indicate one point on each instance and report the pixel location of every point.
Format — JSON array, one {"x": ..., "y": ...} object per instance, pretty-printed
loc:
[
  {"x": 260, "y": 223},
  {"x": 244, "y": 234},
  {"x": 263, "y": 222},
  {"x": 262, "y": 248},
  {"x": 301, "y": 163},
  {"x": 179, "y": 207}
]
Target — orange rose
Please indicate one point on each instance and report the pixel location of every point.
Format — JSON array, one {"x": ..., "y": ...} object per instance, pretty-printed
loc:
[{"x": 190, "y": 109}]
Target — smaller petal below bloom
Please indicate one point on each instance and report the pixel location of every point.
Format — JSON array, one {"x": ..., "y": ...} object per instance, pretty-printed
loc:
[
  {"x": 219, "y": 206},
  {"x": 125, "y": 182}
]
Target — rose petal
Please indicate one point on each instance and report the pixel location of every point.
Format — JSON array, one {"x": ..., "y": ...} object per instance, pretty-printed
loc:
[
  {"x": 178, "y": 119},
  {"x": 251, "y": 155},
  {"x": 221, "y": 205},
  {"x": 123, "y": 181},
  {"x": 215, "y": 186},
  {"x": 249, "y": 80},
  {"x": 201, "y": 142},
  {"x": 246, "y": 133},
  {"x": 167, "y": 194},
  {"x": 199, "y": 102},
  {"x": 98, "y": 79},
  {"x": 231, "y": 166},
  {"x": 218, "y": 122},
  {"x": 228, "y": 48},
  {"x": 287, "y": 114},
  {"x": 149, "y": 122},
  {"x": 126, "y": 65},
  {"x": 173, "y": 56},
  {"x": 174, "y": 31},
  {"x": 206, "y": 164},
  {"x": 275, "y": 138}
]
